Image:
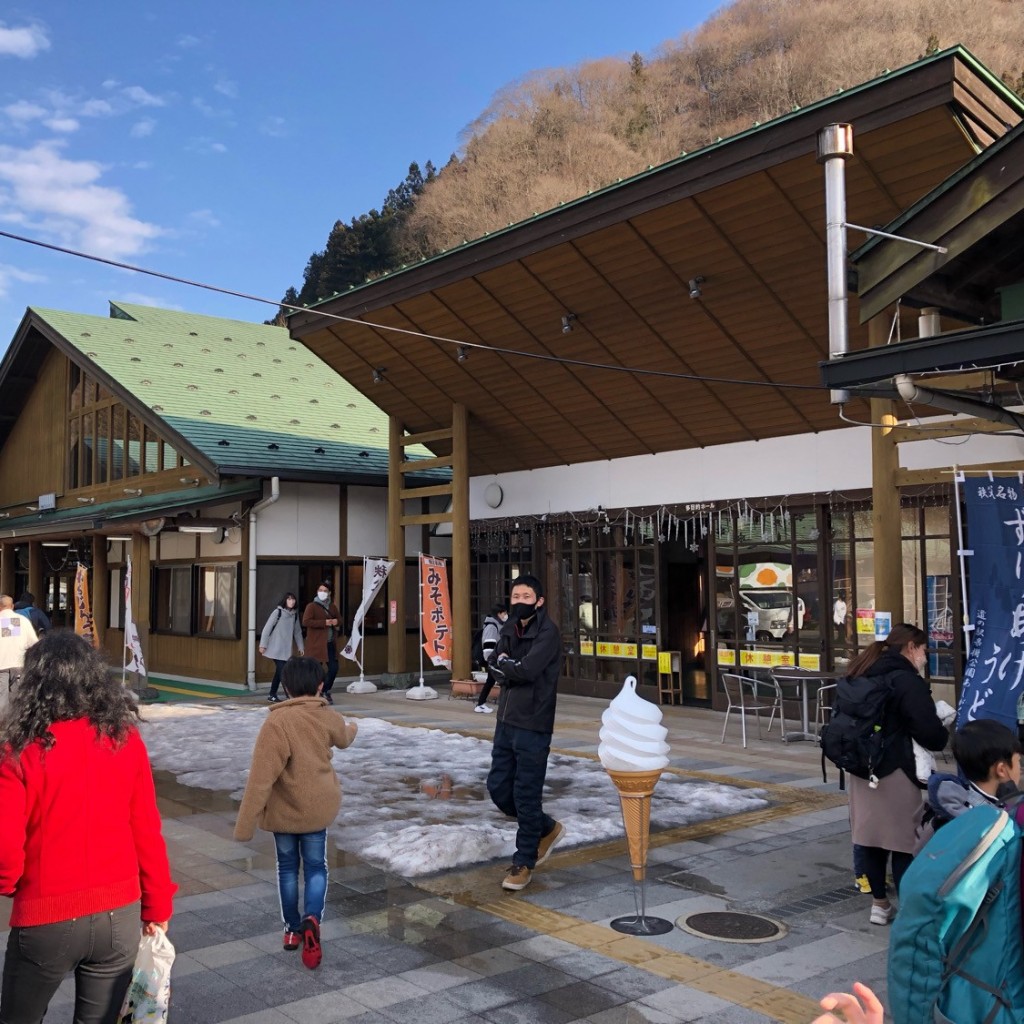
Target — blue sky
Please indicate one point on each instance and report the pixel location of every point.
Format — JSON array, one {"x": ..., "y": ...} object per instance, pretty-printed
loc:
[{"x": 220, "y": 141}]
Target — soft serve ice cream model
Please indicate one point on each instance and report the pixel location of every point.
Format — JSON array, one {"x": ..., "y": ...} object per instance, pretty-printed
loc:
[{"x": 634, "y": 753}]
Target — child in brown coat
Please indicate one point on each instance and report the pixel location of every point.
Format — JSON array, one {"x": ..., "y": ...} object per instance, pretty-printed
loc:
[{"x": 293, "y": 792}]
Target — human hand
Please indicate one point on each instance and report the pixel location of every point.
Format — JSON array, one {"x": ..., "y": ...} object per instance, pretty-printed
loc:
[
  {"x": 150, "y": 927},
  {"x": 850, "y": 1007},
  {"x": 263, "y": 650}
]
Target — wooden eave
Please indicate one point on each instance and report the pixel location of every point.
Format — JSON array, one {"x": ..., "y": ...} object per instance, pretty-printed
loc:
[
  {"x": 21, "y": 364},
  {"x": 747, "y": 215}
]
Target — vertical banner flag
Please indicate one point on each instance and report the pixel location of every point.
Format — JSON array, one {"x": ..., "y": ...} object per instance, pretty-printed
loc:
[
  {"x": 375, "y": 572},
  {"x": 84, "y": 625},
  {"x": 132, "y": 644},
  {"x": 437, "y": 613},
  {"x": 994, "y": 676}
]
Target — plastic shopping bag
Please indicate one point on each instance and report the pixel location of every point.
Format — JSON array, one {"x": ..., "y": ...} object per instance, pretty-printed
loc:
[{"x": 149, "y": 995}]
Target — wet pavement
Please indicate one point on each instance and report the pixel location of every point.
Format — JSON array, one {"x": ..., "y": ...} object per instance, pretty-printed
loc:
[{"x": 455, "y": 947}]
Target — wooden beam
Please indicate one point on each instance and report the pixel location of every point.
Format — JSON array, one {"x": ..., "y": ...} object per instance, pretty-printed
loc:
[
  {"x": 396, "y": 548},
  {"x": 444, "y": 434},
  {"x": 460, "y": 544},
  {"x": 100, "y": 587},
  {"x": 423, "y": 464},
  {"x": 433, "y": 491},
  {"x": 948, "y": 428},
  {"x": 427, "y": 519},
  {"x": 921, "y": 477}
]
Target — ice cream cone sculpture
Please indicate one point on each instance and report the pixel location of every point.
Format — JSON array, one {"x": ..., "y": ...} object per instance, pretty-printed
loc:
[{"x": 634, "y": 753}]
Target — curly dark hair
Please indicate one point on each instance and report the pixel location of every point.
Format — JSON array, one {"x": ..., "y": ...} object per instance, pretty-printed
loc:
[{"x": 63, "y": 679}]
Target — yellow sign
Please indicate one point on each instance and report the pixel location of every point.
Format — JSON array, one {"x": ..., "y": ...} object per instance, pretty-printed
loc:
[
  {"x": 726, "y": 656},
  {"x": 866, "y": 622},
  {"x": 665, "y": 662},
  {"x": 611, "y": 650},
  {"x": 770, "y": 659},
  {"x": 649, "y": 652},
  {"x": 587, "y": 647}
]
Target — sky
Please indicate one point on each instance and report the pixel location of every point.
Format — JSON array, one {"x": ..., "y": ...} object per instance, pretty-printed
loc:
[
  {"x": 220, "y": 142},
  {"x": 429, "y": 811}
]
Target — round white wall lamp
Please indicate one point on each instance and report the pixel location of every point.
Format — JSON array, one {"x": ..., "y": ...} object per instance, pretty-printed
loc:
[{"x": 493, "y": 495}]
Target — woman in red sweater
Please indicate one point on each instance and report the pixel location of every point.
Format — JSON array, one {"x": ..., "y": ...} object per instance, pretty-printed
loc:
[{"x": 81, "y": 851}]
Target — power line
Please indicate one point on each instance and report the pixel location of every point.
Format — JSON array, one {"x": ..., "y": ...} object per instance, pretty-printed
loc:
[{"x": 480, "y": 346}]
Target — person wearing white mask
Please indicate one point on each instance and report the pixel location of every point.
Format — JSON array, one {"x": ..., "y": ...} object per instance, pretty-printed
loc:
[{"x": 322, "y": 619}]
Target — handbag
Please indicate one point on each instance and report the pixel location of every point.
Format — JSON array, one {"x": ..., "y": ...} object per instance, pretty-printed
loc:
[{"x": 149, "y": 995}]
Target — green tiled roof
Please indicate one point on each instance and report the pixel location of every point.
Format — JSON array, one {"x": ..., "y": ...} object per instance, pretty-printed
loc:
[{"x": 244, "y": 395}]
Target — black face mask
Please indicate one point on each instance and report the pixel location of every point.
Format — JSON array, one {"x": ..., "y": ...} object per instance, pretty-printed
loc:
[{"x": 522, "y": 612}]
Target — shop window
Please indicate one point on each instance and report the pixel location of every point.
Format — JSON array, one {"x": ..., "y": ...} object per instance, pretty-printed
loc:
[
  {"x": 218, "y": 601},
  {"x": 172, "y": 600}
]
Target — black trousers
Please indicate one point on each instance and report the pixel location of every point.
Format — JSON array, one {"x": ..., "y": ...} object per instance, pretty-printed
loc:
[
  {"x": 486, "y": 691},
  {"x": 875, "y": 859},
  {"x": 519, "y": 763},
  {"x": 275, "y": 683},
  {"x": 100, "y": 949},
  {"x": 330, "y": 666}
]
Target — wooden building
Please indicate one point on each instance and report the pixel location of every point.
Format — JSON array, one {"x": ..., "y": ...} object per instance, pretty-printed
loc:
[{"x": 229, "y": 462}]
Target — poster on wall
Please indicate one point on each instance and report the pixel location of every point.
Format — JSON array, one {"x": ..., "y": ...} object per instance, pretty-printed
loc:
[{"x": 994, "y": 676}]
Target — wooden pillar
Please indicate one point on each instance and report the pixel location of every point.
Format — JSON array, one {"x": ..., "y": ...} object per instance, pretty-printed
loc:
[
  {"x": 461, "y": 624},
  {"x": 8, "y": 557},
  {"x": 35, "y": 574},
  {"x": 885, "y": 495},
  {"x": 141, "y": 593},
  {"x": 100, "y": 587},
  {"x": 396, "y": 547}
]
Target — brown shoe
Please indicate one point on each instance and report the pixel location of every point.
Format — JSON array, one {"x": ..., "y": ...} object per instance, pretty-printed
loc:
[
  {"x": 547, "y": 842},
  {"x": 518, "y": 877}
]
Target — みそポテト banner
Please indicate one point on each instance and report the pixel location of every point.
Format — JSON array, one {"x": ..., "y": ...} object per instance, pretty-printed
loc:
[{"x": 436, "y": 611}]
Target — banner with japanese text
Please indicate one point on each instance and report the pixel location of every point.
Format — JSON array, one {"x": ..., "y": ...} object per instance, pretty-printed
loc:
[
  {"x": 994, "y": 676},
  {"x": 375, "y": 572},
  {"x": 133, "y": 660},
  {"x": 84, "y": 625},
  {"x": 436, "y": 611}
]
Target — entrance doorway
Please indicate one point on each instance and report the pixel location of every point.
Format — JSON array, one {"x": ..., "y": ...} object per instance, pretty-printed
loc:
[{"x": 685, "y": 618}]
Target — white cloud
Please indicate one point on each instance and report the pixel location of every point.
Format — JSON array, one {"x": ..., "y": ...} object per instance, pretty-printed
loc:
[
  {"x": 62, "y": 124},
  {"x": 218, "y": 147},
  {"x": 61, "y": 198},
  {"x": 142, "y": 165},
  {"x": 204, "y": 218},
  {"x": 140, "y": 96},
  {"x": 142, "y": 299},
  {"x": 14, "y": 275},
  {"x": 95, "y": 108},
  {"x": 23, "y": 111},
  {"x": 142, "y": 129},
  {"x": 187, "y": 42},
  {"x": 226, "y": 87},
  {"x": 25, "y": 42},
  {"x": 275, "y": 127}
]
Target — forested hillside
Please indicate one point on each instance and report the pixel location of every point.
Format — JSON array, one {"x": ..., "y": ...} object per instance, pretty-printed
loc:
[{"x": 560, "y": 133}]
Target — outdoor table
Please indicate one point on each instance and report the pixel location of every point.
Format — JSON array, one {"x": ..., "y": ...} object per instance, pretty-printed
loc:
[{"x": 804, "y": 678}]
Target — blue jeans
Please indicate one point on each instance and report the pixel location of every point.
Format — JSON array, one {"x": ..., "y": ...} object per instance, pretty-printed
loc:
[
  {"x": 311, "y": 847},
  {"x": 519, "y": 762}
]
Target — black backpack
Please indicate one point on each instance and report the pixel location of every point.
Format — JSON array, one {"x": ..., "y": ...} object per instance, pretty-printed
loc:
[
  {"x": 477, "y": 653},
  {"x": 853, "y": 740}
]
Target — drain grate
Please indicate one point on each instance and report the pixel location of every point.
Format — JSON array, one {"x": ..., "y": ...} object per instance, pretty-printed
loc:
[
  {"x": 731, "y": 926},
  {"x": 816, "y": 902}
]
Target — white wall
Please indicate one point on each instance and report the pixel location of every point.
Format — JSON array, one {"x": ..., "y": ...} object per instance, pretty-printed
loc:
[
  {"x": 304, "y": 522},
  {"x": 836, "y": 460}
]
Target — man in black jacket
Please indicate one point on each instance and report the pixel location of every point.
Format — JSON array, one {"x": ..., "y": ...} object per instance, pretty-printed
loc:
[{"x": 527, "y": 661}]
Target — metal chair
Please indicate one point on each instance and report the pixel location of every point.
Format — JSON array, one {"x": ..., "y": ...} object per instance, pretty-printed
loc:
[
  {"x": 823, "y": 705},
  {"x": 745, "y": 694}
]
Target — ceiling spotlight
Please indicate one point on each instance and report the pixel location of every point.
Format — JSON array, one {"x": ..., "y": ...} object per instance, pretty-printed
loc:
[
  {"x": 193, "y": 480},
  {"x": 695, "y": 287},
  {"x": 133, "y": 492},
  {"x": 87, "y": 501},
  {"x": 567, "y": 321},
  {"x": 461, "y": 354},
  {"x": 378, "y": 374}
]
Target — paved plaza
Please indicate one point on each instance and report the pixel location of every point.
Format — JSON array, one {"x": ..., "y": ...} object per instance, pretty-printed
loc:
[{"x": 454, "y": 947}]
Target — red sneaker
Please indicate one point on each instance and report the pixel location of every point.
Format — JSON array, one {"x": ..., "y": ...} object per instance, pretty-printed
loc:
[
  {"x": 311, "y": 951},
  {"x": 292, "y": 940}
]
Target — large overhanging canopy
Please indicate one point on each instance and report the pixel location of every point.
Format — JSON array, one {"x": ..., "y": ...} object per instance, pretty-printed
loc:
[{"x": 746, "y": 215}]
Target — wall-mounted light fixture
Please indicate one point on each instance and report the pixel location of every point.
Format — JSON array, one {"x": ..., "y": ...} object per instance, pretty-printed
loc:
[
  {"x": 32, "y": 508},
  {"x": 193, "y": 480},
  {"x": 5, "y": 515},
  {"x": 202, "y": 529},
  {"x": 461, "y": 354},
  {"x": 122, "y": 540},
  {"x": 54, "y": 543},
  {"x": 86, "y": 501},
  {"x": 567, "y": 321},
  {"x": 378, "y": 374},
  {"x": 695, "y": 287},
  {"x": 134, "y": 492}
]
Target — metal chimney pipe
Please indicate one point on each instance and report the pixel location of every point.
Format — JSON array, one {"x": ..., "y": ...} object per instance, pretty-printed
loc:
[{"x": 835, "y": 146}]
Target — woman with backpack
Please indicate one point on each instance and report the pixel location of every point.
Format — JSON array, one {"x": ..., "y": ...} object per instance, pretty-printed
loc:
[
  {"x": 886, "y": 810},
  {"x": 281, "y": 632}
]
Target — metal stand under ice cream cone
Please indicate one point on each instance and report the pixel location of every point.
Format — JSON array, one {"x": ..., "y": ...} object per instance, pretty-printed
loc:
[{"x": 635, "y": 789}]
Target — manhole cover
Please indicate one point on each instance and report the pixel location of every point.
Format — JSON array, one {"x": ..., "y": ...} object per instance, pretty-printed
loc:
[{"x": 729, "y": 926}]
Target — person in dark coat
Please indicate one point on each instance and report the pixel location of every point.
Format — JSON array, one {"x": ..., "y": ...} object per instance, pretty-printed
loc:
[
  {"x": 321, "y": 620},
  {"x": 527, "y": 660},
  {"x": 885, "y": 819},
  {"x": 26, "y": 605}
]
